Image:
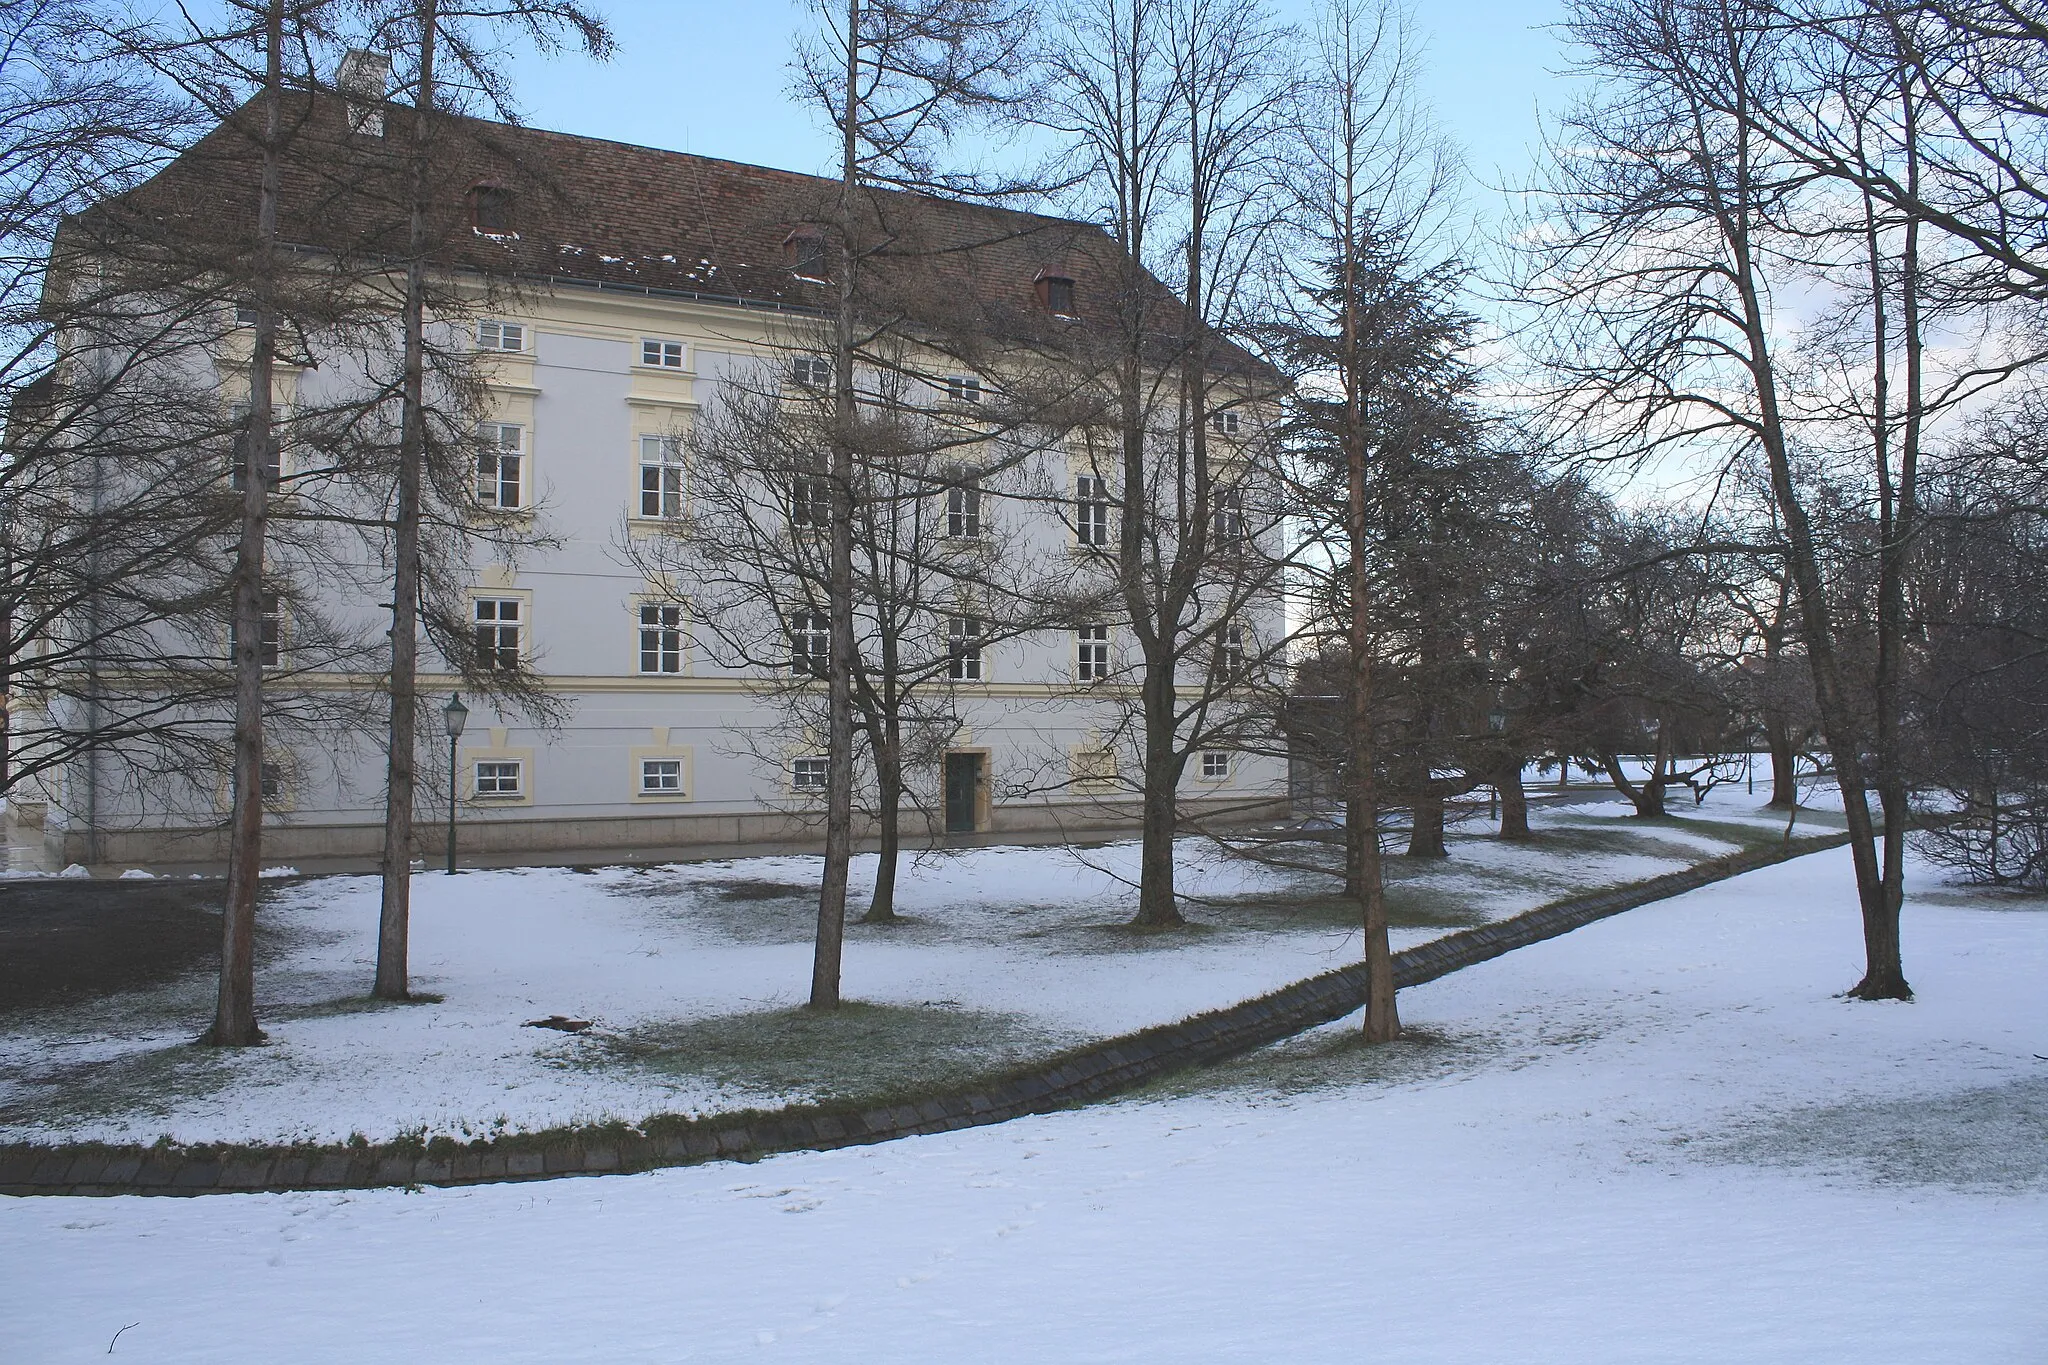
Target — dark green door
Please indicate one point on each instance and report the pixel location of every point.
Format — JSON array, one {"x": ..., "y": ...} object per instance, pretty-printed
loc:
[{"x": 963, "y": 792}]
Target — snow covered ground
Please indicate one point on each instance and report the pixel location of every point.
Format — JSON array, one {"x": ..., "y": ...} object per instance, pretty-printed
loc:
[
  {"x": 1658, "y": 1139},
  {"x": 691, "y": 973}
]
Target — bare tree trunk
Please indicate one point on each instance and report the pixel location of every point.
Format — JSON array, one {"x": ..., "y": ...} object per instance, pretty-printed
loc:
[
  {"x": 888, "y": 815},
  {"x": 234, "y": 1018},
  {"x": 401, "y": 755},
  {"x": 1514, "y": 803},
  {"x": 827, "y": 951},
  {"x": 1157, "y": 905},
  {"x": 1426, "y": 823}
]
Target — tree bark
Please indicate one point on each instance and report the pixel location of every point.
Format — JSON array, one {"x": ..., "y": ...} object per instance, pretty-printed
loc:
[
  {"x": 1514, "y": 803},
  {"x": 1426, "y": 824},
  {"x": 234, "y": 1018},
  {"x": 829, "y": 944},
  {"x": 401, "y": 750},
  {"x": 888, "y": 818}
]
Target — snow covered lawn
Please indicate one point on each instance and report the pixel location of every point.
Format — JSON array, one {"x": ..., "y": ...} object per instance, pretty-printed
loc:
[
  {"x": 1659, "y": 1138},
  {"x": 692, "y": 973}
]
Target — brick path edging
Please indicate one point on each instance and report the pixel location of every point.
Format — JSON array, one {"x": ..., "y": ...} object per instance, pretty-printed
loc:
[{"x": 1086, "y": 1073}]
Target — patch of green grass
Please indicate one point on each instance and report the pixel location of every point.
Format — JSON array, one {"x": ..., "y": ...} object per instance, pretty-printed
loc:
[
  {"x": 152, "y": 1081},
  {"x": 1334, "y": 1056},
  {"x": 349, "y": 1005},
  {"x": 856, "y": 1051}
]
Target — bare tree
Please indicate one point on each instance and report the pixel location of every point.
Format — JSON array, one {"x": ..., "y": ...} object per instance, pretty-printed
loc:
[
  {"x": 896, "y": 79},
  {"x": 1169, "y": 112},
  {"x": 470, "y": 33},
  {"x": 1676, "y": 224}
]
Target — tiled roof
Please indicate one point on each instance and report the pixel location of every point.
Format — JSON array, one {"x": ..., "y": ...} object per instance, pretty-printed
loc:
[{"x": 611, "y": 215}]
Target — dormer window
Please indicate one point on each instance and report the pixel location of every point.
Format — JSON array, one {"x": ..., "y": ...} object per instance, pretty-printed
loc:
[
  {"x": 490, "y": 211},
  {"x": 1056, "y": 295},
  {"x": 804, "y": 249}
]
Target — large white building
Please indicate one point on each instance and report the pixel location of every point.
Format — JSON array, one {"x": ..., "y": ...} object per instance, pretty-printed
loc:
[{"x": 645, "y": 281}]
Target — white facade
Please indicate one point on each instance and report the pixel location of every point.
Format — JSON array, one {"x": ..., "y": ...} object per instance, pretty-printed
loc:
[{"x": 659, "y": 748}]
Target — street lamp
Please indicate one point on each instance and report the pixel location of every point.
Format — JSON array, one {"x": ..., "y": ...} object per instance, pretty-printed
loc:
[
  {"x": 1496, "y": 721},
  {"x": 453, "y": 717}
]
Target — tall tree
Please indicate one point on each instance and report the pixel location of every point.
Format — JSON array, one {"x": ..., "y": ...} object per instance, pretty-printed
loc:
[
  {"x": 896, "y": 79},
  {"x": 1169, "y": 112},
  {"x": 419, "y": 29}
]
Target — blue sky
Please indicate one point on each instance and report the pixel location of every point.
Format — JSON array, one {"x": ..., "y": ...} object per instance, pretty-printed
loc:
[{"x": 710, "y": 78}]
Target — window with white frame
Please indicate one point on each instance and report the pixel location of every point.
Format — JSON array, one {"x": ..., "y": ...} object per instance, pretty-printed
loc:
[
  {"x": 661, "y": 777},
  {"x": 270, "y": 640},
  {"x": 810, "y": 644},
  {"x": 666, "y": 355},
  {"x": 1224, "y": 423},
  {"x": 499, "y": 777},
  {"x": 494, "y": 335},
  {"x": 1215, "y": 765},
  {"x": 1091, "y": 510},
  {"x": 501, "y": 465},
  {"x": 661, "y": 638},
  {"x": 807, "y": 774},
  {"x": 1231, "y": 651},
  {"x": 963, "y": 648},
  {"x": 963, "y": 510},
  {"x": 270, "y": 781},
  {"x": 810, "y": 502},
  {"x": 1091, "y": 652},
  {"x": 498, "y": 621},
  {"x": 963, "y": 388},
  {"x": 810, "y": 371},
  {"x": 661, "y": 476},
  {"x": 241, "y": 440},
  {"x": 1227, "y": 523}
]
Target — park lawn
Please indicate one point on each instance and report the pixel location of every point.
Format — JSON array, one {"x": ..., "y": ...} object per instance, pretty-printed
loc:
[{"x": 692, "y": 977}]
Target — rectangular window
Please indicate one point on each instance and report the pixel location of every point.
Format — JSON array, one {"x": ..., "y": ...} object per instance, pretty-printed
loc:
[
  {"x": 963, "y": 648},
  {"x": 807, "y": 257},
  {"x": 808, "y": 774},
  {"x": 270, "y": 781},
  {"x": 1091, "y": 653},
  {"x": 245, "y": 315},
  {"x": 498, "y": 777},
  {"x": 497, "y": 632},
  {"x": 242, "y": 441},
  {"x": 500, "y": 465},
  {"x": 963, "y": 388},
  {"x": 810, "y": 371},
  {"x": 667, "y": 355},
  {"x": 963, "y": 512},
  {"x": 810, "y": 502},
  {"x": 1091, "y": 510},
  {"x": 501, "y": 336},
  {"x": 1215, "y": 766},
  {"x": 270, "y": 642},
  {"x": 1228, "y": 521},
  {"x": 661, "y": 638},
  {"x": 1231, "y": 656},
  {"x": 661, "y": 476},
  {"x": 810, "y": 644},
  {"x": 1223, "y": 423},
  {"x": 661, "y": 777}
]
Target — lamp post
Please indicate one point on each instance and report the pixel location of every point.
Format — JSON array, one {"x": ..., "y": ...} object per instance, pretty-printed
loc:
[
  {"x": 453, "y": 716},
  {"x": 1496, "y": 721}
]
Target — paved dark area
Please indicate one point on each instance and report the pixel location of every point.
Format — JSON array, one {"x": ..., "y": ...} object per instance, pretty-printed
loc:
[{"x": 62, "y": 939}]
